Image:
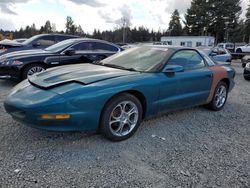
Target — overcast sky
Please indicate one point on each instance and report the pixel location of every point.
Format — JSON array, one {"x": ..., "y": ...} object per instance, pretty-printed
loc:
[{"x": 90, "y": 14}]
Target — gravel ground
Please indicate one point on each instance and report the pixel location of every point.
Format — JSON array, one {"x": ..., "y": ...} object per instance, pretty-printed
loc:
[{"x": 188, "y": 148}]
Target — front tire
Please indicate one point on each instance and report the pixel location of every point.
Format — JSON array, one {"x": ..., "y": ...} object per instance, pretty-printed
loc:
[
  {"x": 219, "y": 98},
  {"x": 32, "y": 69},
  {"x": 121, "y": 117}
]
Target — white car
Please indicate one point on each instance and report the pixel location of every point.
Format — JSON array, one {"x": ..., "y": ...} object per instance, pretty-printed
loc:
[{"x": 243, "y": 49}]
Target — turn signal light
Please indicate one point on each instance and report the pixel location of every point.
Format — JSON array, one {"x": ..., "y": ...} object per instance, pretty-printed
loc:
[{"x": 63, "y": 116}]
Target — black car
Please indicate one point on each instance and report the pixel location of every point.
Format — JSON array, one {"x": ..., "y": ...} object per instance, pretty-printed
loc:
[
  {"x": 36, "y": 42},
  {"x": 19, "y": 65},
  {"x": 246, "y": 72}
]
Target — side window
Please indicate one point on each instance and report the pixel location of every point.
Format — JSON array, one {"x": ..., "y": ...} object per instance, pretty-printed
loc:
[
  {"x": 99, "y": 46},
  {"x": 84, "y": 46},
  {"x": 221, "y": 51},
  {"x": 60, "y": 38},
  {"x": 46, "y": 40},
  {"x": 189, "y": 59}
]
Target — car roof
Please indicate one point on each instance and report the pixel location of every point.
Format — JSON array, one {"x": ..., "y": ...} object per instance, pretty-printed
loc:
[
  {"x": 58, "y": 34},
  {"x": 93, "y": 40}
]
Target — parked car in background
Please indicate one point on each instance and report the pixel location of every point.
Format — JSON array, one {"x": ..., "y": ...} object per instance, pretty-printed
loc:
[
  {"x": 246, "y": 72},
  {"x": 243, "y": 49},
  {"x": 116, "y": 94},
  {"x": 218, "y": 54},
  {"x": 229, "y": 46},
  {"x": 245, "y": 60},
  {"x": 36, "y": 42},
  {"x": 19, "y": 65}
]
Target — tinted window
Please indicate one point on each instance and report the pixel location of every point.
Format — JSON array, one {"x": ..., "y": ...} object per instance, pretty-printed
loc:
[
  {"x": 46, "y": 40},
  {"x": 84, "y": 46},
  {"x": 189, "y": 59},
  {"x": 105, "y": 47},
  {"x": 60, "y": 46},
  {"x": 219, "y": 51}
]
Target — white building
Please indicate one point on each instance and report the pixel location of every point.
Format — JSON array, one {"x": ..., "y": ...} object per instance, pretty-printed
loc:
[{"x": 188, "y": 41}]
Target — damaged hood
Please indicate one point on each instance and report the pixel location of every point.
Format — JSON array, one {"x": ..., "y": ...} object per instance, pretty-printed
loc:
[
  {"x": 10, "y": 43},
  {"x": 81, "y": 73}
]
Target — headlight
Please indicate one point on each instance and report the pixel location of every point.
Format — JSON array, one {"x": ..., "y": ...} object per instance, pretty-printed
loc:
[
  {"x": 12, "y": 62},
  {"x": 248, "y": 65}
]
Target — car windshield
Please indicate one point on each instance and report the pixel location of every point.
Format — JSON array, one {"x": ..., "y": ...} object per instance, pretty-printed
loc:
[
  {"x": 30, "y": 40},
  {"x": 143, "y": 58},
  {"x": 60, "y": 46}
]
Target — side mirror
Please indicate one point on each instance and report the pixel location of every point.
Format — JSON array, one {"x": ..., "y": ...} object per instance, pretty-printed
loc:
[
  {"x": 172, "y": 69},
  {"x": 70, "y": 52},
  {"x": 36, "y": 44}
]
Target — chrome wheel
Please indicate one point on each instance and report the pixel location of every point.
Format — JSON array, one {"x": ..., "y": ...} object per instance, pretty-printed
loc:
[
  {"x": 220, "y": 96},
  {"x": 34, "y": 70},
  {"x": 123, "y": 118}
]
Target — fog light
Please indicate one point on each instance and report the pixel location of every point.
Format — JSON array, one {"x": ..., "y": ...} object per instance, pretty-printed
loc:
[{"x": 62, "y": 116}]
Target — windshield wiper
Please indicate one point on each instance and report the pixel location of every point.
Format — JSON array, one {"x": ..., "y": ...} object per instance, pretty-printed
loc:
[{"x": 119, "y": 67}]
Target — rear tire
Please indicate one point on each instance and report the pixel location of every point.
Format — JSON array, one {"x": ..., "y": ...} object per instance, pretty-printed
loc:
[
  {"x": 32, "y": 69},
  {"x": 121, "y": 117},
  {"x": 219, "y": 98}
]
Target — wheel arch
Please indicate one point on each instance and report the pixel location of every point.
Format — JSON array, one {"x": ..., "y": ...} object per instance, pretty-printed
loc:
[
  {"x": 227, "y": 82},
  {"x": 139, "y": 95}
]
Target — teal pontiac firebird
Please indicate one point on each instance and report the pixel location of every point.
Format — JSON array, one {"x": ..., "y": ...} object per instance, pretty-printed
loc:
[{"x": 116, "y": 94}]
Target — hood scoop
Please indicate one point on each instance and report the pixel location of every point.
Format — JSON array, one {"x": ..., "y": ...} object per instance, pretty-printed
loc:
[{"x": 79, "y": 73}]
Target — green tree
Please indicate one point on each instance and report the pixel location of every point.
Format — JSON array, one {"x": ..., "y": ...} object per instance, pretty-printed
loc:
[
  {"x": 175, "y": 28},
  {"x": 47, "y": 27},
  {"x": 214, "y": 17},
  {"x": 247, "y": 26},
  {"x": 70, "y": 26}
]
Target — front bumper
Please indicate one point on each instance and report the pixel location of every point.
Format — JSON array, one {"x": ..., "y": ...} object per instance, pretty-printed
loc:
[
  {"x": 27, "y": 103},
  {"x": 10, "y": 73}
]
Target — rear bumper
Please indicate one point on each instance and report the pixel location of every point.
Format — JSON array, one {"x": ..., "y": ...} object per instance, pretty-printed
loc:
[{"x": 10, "y": 73}]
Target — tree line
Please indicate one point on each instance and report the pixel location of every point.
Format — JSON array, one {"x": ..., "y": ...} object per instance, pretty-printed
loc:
[{"x": 218, "y": 18}]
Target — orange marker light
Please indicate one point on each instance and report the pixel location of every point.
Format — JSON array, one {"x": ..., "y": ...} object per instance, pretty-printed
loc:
[{"x": 63, "y": 116}]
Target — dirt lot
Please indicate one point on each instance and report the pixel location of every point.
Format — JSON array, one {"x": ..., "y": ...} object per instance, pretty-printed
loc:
[{"x": 199, "y": 148}]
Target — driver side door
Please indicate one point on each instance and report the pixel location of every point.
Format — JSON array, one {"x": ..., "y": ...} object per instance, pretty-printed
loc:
[{"x": 187, "y": 88}]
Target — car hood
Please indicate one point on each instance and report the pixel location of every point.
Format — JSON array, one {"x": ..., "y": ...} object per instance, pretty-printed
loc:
[
  {"x": 81, "y": 73},
  {"x": 24, "y": 53},
  {"x": 10, "y": 43}
]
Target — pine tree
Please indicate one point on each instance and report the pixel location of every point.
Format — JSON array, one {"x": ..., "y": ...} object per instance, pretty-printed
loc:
[
  {"x": 247, "y": 26},
  {"x": 175, "y": 28},
  {"x": 197, "y": 18},
  {"x": 214, "y": 17}
]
